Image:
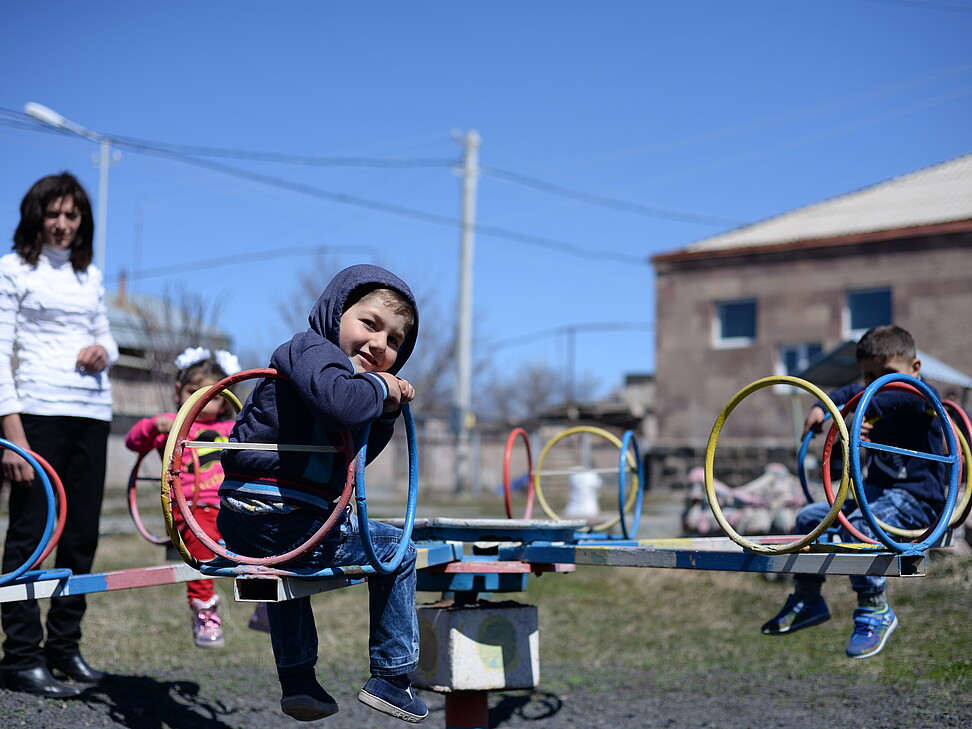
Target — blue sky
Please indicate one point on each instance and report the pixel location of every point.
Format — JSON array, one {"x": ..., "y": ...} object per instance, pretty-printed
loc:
[{"x": 701, "y": 115}]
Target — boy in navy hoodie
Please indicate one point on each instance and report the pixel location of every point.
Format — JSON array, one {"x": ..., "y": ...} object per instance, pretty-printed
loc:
[
  {"x": 340, "y": 377},
  {"x": 908, "y": 493}
]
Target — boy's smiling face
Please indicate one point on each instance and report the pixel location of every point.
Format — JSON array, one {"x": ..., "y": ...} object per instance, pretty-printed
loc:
[{"x": 371, "y": 334}]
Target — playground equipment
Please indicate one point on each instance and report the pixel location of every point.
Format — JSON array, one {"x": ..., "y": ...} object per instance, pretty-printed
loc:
[
  {"x": 53, "y": 523},
  {"x": 630, "y": 497},
  {"x": 355, "y": 482},
  {"x": 851, "y": 445},
  {"x": 469, "y": 560},
  {"x": 910, "y": 384}
]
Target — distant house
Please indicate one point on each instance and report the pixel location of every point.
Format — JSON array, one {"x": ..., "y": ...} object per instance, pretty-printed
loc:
[{"x": 768, "y": 298}]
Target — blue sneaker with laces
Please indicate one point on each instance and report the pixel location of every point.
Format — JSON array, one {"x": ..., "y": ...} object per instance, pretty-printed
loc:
[
  {"x": 796, "y": 614},
  {"x": 402, "y": 703},
  {"x": 871, "y": 631}
]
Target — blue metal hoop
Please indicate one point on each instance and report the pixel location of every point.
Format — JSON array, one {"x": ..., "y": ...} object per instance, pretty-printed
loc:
[
  {"x": 629, "y": 441},
  {"x": 51, "y": 511},
  {"x": 952, "y": 460},
  {"x": 362, "y": 502}
]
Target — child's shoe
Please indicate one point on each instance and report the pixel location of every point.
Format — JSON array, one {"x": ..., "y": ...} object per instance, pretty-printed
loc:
[
  {"x": 259, "y": 620},
  {"x": 207, "y": 629},
  {"x": 871, "y": 631},
  {"x": 796, "y": 614},
  {"x": 304, "y": 699},
  {"x": 393, "y": 696}
]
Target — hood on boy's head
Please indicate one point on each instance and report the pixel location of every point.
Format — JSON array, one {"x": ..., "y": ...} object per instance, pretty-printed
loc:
[{"x": 325, "y": 317}]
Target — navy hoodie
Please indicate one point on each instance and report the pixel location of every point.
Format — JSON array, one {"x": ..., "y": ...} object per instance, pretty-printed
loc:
[
  {"x": 321, "y": 398},
  {"x": 903, "y": 420}
]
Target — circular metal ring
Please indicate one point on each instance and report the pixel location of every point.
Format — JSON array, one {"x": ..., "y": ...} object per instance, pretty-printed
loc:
[
  {"x": 528, "y": 509},
  {"x": 710, "y": 460}
]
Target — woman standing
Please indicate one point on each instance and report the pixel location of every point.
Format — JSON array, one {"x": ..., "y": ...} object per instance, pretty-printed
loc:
[{"x": 55, "y": 399}]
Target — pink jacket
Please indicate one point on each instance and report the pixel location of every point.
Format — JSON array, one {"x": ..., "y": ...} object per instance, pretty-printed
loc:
[{"x": 144, "y": 436}]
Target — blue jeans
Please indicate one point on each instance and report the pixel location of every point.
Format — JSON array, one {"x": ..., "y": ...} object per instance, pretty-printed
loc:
[
  {"x": 894, "y": 507},
  {"x": 393, "y": 634}
]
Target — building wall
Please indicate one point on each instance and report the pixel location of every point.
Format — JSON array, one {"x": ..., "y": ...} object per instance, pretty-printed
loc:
[{"x": 800, "y": 293}]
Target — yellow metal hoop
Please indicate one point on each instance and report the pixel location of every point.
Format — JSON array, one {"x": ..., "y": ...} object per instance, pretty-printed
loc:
[
  {"x": 710, "y": 459},
  {"x": 170, "y": 445},
  {"x": 608, "y": 436}
]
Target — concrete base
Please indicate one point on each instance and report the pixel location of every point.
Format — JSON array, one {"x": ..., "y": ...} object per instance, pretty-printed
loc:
[{"x": 484, "y": 646}]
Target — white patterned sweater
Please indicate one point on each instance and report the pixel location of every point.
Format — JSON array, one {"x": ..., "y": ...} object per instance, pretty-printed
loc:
[{"x": 48, "y": 314}]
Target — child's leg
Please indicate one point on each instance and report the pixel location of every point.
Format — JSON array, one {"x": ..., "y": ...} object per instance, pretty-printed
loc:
[
  {"x": 207, "y": 628},
  {"x": 874, "y": 619},
  {"x": 293, "y": 634},
  {"x": 393, "y": 636},
  {"x": 206, "y": 518},
  {"x": 894, "y": 507},
  {"x": 805, "y": 606}
]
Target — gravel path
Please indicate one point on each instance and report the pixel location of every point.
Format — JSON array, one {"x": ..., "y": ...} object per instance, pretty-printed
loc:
[{"x": 247, "y": 699}]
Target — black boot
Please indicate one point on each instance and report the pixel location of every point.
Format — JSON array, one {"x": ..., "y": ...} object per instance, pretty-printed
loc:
[
  {"x": 38, "y": 681},
  {"x": 75, "y": 668}
]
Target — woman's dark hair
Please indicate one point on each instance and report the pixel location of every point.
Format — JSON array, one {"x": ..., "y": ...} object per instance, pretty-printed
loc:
[{"x": 27, "y": 237}]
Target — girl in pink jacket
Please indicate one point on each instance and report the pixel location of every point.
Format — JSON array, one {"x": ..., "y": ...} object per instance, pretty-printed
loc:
[{"x": 198, "y": 368}]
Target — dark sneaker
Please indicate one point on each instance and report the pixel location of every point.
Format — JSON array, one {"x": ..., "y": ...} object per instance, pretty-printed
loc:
[
  {"x": 797, "y": 614},
  {"x": 310, "y": 705},
  {"x": 871, "y": 631},
  {"x": 402, "y": 703}
]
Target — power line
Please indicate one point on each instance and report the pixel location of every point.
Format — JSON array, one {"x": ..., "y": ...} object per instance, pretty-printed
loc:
[
  {"x": 623, "y": 205},
  {"x": 611, "y": 326},
  {"x": 236, "y": 258},
  {"x": 152, "y": 148},
  {"x": 390, "y": 209},
  {"x": 25, "y": 121},
  {"x": 292, "y": 159}
]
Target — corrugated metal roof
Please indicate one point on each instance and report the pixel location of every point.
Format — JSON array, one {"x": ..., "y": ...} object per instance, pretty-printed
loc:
[
  {"x": 838, "y": 367},
  {"x": 938, "y": 194}
]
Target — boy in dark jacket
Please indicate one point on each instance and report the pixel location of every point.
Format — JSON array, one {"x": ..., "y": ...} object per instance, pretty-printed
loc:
[
  {"x": 908, "y": 493},
  {"x": 340, "y": 377}
]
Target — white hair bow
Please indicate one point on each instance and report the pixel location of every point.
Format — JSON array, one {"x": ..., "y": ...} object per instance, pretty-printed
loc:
[{"x": 227, "y": 361}]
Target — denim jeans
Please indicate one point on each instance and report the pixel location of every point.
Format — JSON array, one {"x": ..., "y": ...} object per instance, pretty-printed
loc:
[
  {"x": 894, "y": 507},
  {"x": 393, "y": 633}
]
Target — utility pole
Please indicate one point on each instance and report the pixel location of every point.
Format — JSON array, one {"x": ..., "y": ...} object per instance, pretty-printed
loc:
[{"x": 462, "y": 415}]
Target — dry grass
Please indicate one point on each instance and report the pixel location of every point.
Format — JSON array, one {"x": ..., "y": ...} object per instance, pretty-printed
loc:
[{"x": 603, "y": 621}]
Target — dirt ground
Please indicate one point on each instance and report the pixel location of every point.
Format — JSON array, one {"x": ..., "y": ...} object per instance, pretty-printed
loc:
[{"x": 247, "y": 699}]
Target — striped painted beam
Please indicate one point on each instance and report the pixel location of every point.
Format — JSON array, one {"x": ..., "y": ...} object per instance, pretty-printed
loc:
[
  {"x": 41, "y": 584},
  {"x": 728, "y": 559},
  {"x": 43, "y": 587},
  {"x": 272, "y": 588}
]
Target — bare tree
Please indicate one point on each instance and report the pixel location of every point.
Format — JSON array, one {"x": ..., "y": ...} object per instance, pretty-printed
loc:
[{"x": 181, "y": 318}]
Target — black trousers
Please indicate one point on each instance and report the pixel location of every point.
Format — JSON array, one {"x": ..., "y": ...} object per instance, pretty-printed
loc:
[{"x": 77, "y": 450}]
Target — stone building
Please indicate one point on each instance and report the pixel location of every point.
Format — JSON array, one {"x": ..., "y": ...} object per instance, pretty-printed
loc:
[{"x": 768, "y": 298}]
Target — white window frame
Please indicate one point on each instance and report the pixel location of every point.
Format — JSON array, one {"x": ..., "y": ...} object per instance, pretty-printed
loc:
[
  {"x": 856, "y": 334},
  {"x": 804, "y": 357},
  {"x": 722, "y": 342}
]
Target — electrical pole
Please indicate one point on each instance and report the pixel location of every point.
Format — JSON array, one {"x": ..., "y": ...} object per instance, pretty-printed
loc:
[{"x": 463, "y": 419}]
